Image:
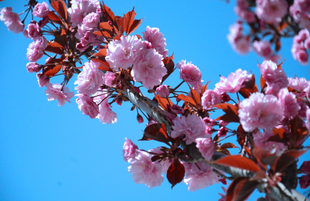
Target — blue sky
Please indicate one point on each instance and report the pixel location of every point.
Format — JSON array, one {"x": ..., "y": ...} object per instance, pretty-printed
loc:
[{"x": 56, "y": 153}]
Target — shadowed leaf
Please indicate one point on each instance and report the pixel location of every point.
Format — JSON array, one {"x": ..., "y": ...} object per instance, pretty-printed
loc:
[
  {"x": 156, "y": 132},
  {"x": 54, "y": 47},
  {"x": 238, "y": 162},
  {"x": 240, "y": 189},
  {"x": 231, "y": 112},
  {"x": 53, "y": 17},
  {"x": 60, "y": 7},
  {"x": 175, "y": 172}
]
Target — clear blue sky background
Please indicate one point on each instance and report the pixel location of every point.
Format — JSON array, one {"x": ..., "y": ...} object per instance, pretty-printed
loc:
[{"x": 50, "y": 153}]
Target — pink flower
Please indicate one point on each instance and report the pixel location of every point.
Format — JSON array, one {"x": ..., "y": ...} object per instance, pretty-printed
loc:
[
  {"x": 271, "y": 10},
  {"x": 206, "y": 147},
  {"x": 177, "y": 109},
  {"x": 36, "y": 49},
  {"x": 242, "y": 11},
  {"x": 308, "y": 119},
  {"x": 210, "y": 98},
  {"x": 199, "y": 178},
  {"x": 259, "y": 111},
  {"x": 106, "y": 115},
  {"x": 222, "y": 132},
  {"x": 233, "y": 83},
  {"x": 299, "y": 84},
  {"x": 80, "y": 8},
  {"x": 145, "y": 171},
  {"x": 41, "y": 10},
  {"x": 33, "y": 67},
  {"x": 91, "y": 21},
  {"x": 275, "y": 77},
  {"x": 87, "y": 106},
  {"x": 304, "y": 181},
  {"x": 223, "y": 196},
  {"x": 191, "y": 127},
  {"x": 58, "y": 92},
  {"x": 89, "y": 79},
  {"x": 305, "y": 167},
  {"x": 42, "y": 79},
  {"x": 157, "y": 40},
  {"x": 163, "y": 91},
  {"x": 261, "y": 142},
  {"x": 123, "y": 53},
  {"x": 165, "y": 164},
  {"x": 140, "y": 119},
  {"x": 33, "y": 30},
  {"x": 289, "y": 104},
  {"x": 149, "y": 68},
  {"x": 109, "y": 77},
  {"x": 11, "y": 20},
  {"x": 130, "y": 150},
  {"x": 239, "y": 42},
  {"x": 299, "y": 49},
  {"x": 189, "y": 73},
  {"x": 263, "y": 48}
]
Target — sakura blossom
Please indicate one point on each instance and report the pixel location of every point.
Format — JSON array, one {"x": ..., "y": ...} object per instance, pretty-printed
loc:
[
  {"x": 199, "y": 178},
  {"x": 149, "y": 68},
  {"x": 36, "y": 49},
  {"x": 239, "y": 42},
  {"x": 58, "y": 92},
  {"x": 32, "y": 31},
  {"x": 165, "y": 164},
  {"x": 157, "y": 40},
  {"x": 299, "y": 84},
  {"x": 259, "y": 111},
  {"x": 41, "y": 10},
  {"x": 109, "y": 78},
  {"x": 189, "y": 73},
  {"x": 90, "y": 21},
  {"x": 206, "y": 147},
  {"x": 163, "y": 91},
  {"x": 233, "y": 83},
  {"x": 11, "y": 20},
  {"x": 33, "y": 67},
  {"x": 87, "y": 106},
  {"x": 106, "y": 115},
  {"x": 308, "y": 119},
  {"x": 288, "y": 103},
  {"x": 261, "y": 141},
  {"x": 123, "y": 53},
  {"x": 271, "y": 10},
  {"x": 80, "y": 8},
  {"x": 89, "y": 79},
  {"x": 130, "y": 150},
  {"x": 42, "y": 79},
  {"x": 144, "y": 171},
  {"x": 263, "y": 48},
  {"x": 210, "y": 98},
  {"x": 191, "y": 127}
]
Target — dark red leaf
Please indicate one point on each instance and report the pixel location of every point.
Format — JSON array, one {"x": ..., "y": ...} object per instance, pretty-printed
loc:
[
  {"x": 163, "y": 102},
  {"x": 54, "y": 47},
  {"x": 238, "y": 162},
  {"x": 186, "y": 99},
  {"x": 240, "y": 189},
  {"x": 50, "y": 71},
  {"x": 169, "y": 65},
  {"x": 278, "y": 45},
  {"x": 204, "y": 88},
  {"x": 195, "y": 95},
  {"x": 262, "y": 83},
  {"x": 175, "y": 172},
  {"x": 60, "y": 7},
  {"x": 249, "y": 88},
  {"x": 287, "y": 158},
  {"x": 156, "y": 132},
  {"x": 53, "y": 17},
  {"x": 134, "y": 26},
  {"x": 231, "y": 112},
  {"x": 228, "y": 145},
  {"x": 108, "y": 13}
]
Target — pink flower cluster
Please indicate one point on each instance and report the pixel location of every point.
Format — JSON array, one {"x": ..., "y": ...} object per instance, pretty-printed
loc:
[
  {"x": 106, "y": 115},
  {"x": 275, "y": 77},
  {"x": 239, "y": 42},
  {"x": 11, "y": 20},
  {"x": 58, "y": 92},
  {"x": 271, "y": 10},
  {"x": 233, "y": 83},
  {"x": 191, "y": 127},
  {"x": 260, "y": 111},
  {"x": 261, "y": 142},
  {"x": 157, "y": 40},
  {"x": 189, "y": 73},
  {"x": 242, "y": 10},
  {"x": 199, "y": 178},
  {"x": 301, "y": 44},
  {"x": 300, "y": 12}
]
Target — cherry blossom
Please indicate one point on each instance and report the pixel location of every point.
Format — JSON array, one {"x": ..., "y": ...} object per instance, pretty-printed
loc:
[
  {"x": 106, "y": 115},
  {"x": 58, "y": 92},
  {"x": 87, "y": 106},
  {"x": 130, "y": 150},
  {"x": 157, "y": 40},
  {"x": 33, "y": 67},
  {"x": 210, "y": 98},
  {"x": 163, "y": 91},
  {"x": 41, "y": 10},
  {"x": 289, "y": 104},
  {"x": 206, "y": 147},
  {"x": 271, "y": 10},
  {"x": 11, "y": 20},
  {"x": 189, "y": 73},
  {"x": 33, "y": 30},
  {"x": 36, "y": 49},
  {"x": 259, "y": 111}
]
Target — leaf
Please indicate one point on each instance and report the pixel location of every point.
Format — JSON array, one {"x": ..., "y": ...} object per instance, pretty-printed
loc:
[
  {"x": 169, "y": 65},
  {"x": 54, "y": 47},
  {"x": 108, "y": 13},
  {"x": 238, "y": 162},
  {"x": 298, "y": 131},
  {"x": 262, "y": 84},
  {"x": 156, "y": 132},
  {"x": 105, "y": 66},
  {"x": 134, "y": 26},
  {"x": 163, "y": 102},
  {"x": 186, "y": 99},
  {"x": 240, "y": 189},
  {"x": 50, "y": 71},
  {"x": 278, "y": 45},
  {"x": 106, "y": 34},
  {"x": 231, "y": 112},
  {"x": 126, "y": 21},
  {"x": 204, "y": 88},
  {"x": 175, "y": 172},
  {"x": 60, "y": 7},
  {"x": 101, "y": 53},
  {"x": 228, "y": 145},
  {"x": 195, "y": 95},
  {"x": 286, "y": 159},
  {"x": 249, "y": 88},
  {"x": 53, "y": 17}
]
